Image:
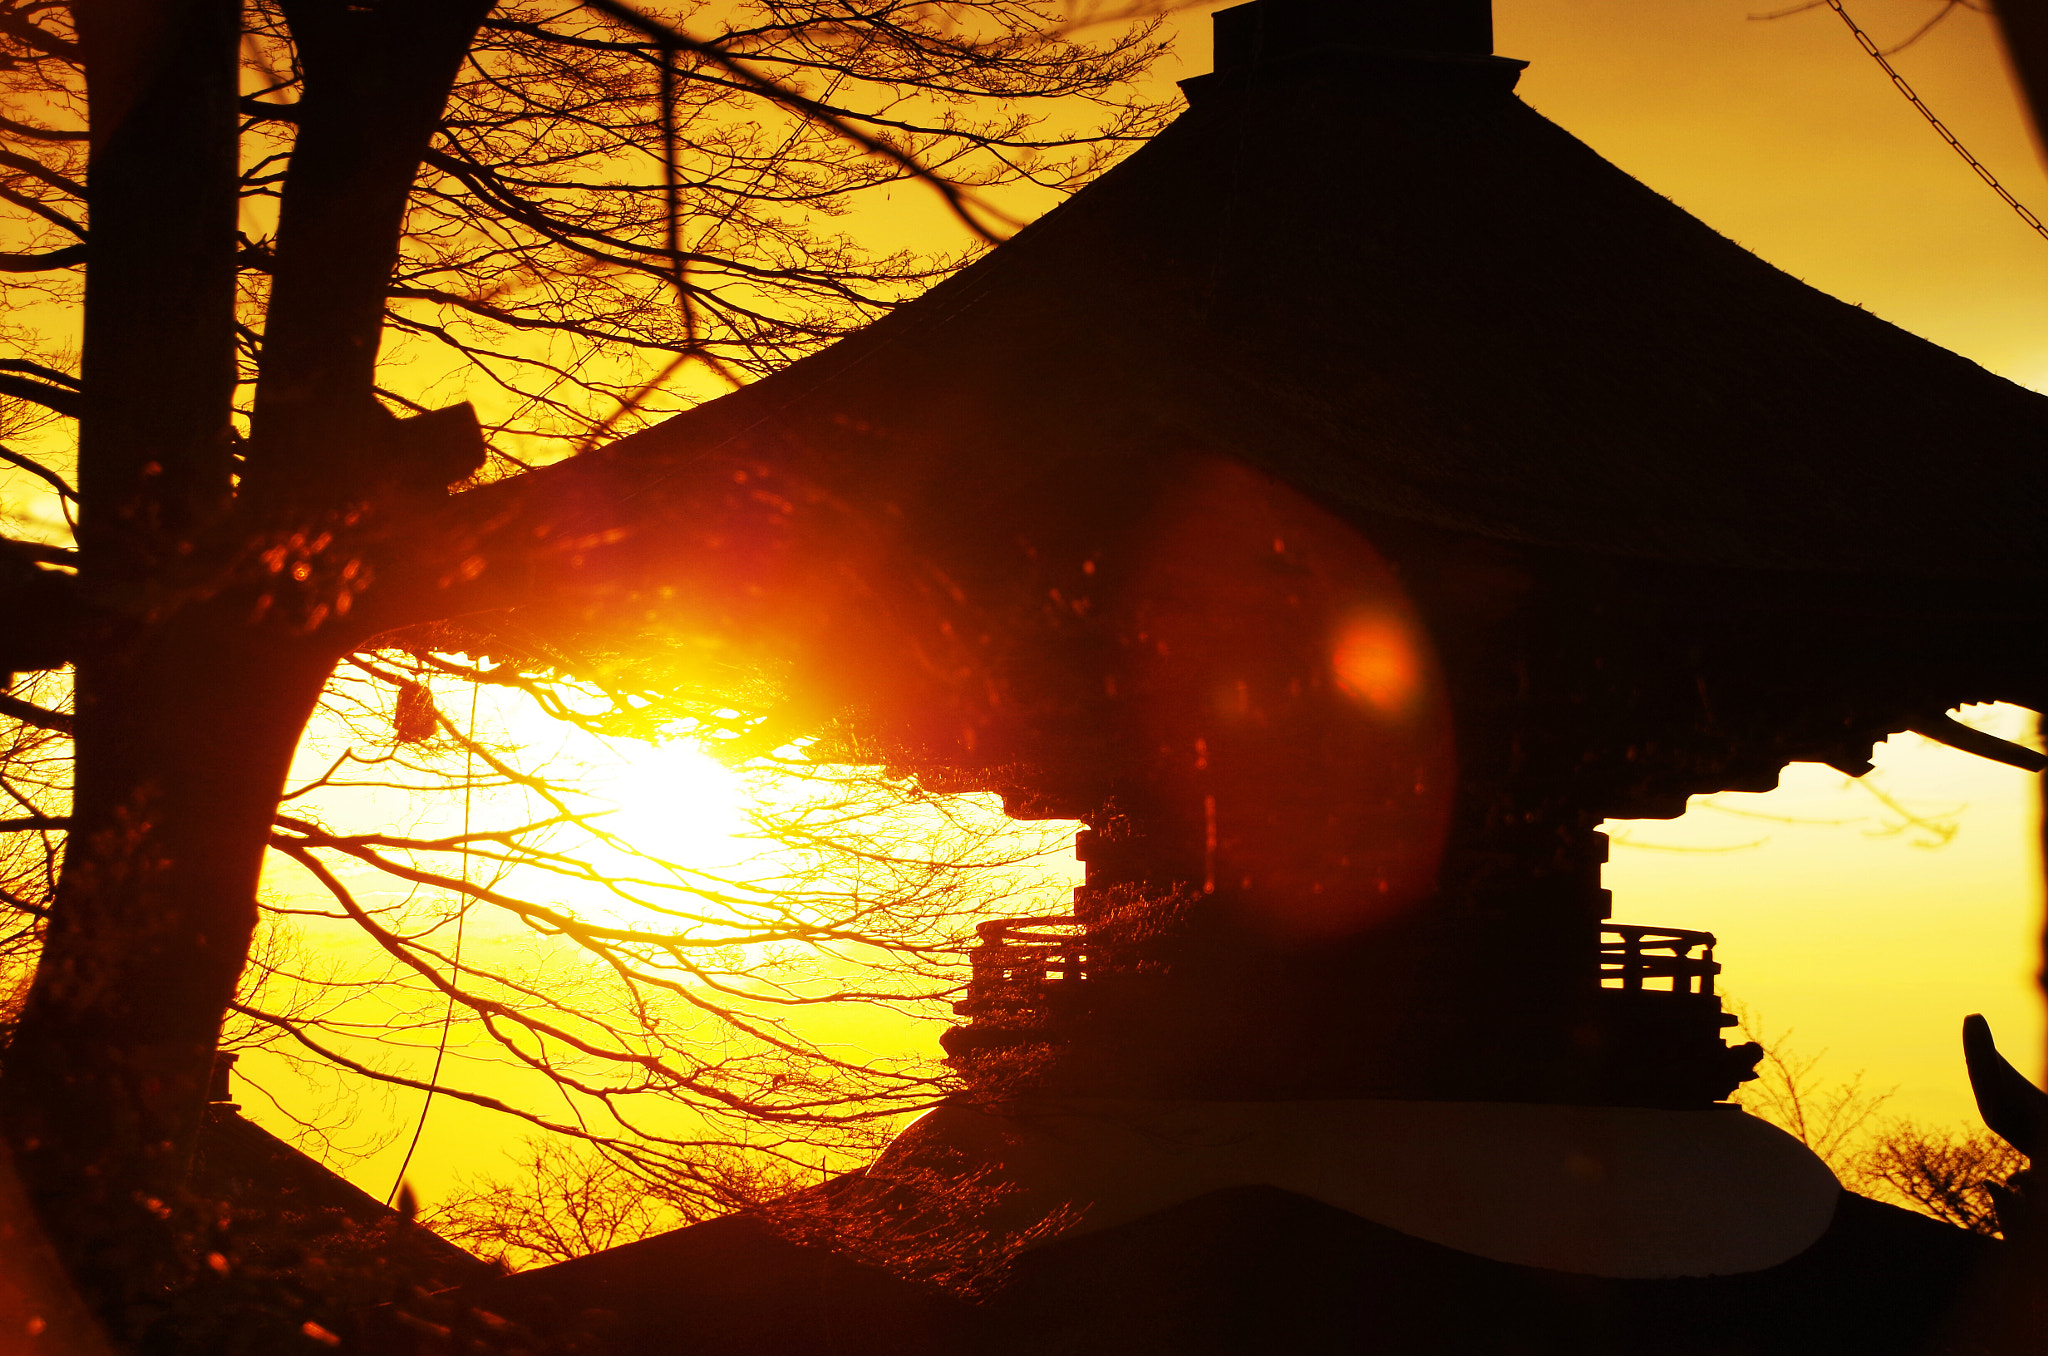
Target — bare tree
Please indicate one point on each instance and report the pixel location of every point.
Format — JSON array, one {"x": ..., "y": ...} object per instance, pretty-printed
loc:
[
  {"x": 566, "y": 203},
  {"x": 654, "y": 985},
  {"x": 1831, "y": 1119},
  {"x": 564, "y": 1202},
  {"x": 533, "y": 200},
  {"x": 1948, "y": 1175},
  {"x": 941, "y": 1223},
  {"x": 1953, "y": 1176}
]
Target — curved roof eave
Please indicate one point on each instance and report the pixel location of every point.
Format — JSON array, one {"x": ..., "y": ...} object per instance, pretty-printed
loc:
[{"x": 1411, "y": 295}]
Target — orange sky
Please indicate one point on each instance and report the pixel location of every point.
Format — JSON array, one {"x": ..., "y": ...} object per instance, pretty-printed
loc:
[
  {"x": 1783, "y": 135},
  {"x": 1786, "y": 137}
]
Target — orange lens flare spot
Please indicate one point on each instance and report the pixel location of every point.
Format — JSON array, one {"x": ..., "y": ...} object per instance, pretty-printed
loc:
[{"x": 1376, "y": 663}]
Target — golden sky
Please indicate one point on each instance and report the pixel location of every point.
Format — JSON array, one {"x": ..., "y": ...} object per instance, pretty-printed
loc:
[
  {"x": 1864, "y": 918},
  {"x": 1785, "y": 136},
  {"x": 1866, "y": 935}
]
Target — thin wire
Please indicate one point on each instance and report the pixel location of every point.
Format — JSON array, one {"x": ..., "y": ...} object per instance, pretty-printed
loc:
[
  {"x": 461, "y": 917},
  {"x": 1863, "y": 40}
]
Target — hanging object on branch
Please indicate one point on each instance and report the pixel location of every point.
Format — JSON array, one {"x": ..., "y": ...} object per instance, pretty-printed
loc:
[{"x": 414, "y": 717}]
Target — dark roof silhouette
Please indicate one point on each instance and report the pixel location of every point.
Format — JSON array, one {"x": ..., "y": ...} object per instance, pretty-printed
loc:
[
  {"x": 1252, "y": 1269},
  {"x": 1387, "y": 281},
  {"x": 242, "y": 1163},
  {"x": 729, "y": 1285}
]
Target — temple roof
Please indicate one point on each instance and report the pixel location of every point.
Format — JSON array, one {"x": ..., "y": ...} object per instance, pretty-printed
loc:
[{"x": 1387, "y": 281}]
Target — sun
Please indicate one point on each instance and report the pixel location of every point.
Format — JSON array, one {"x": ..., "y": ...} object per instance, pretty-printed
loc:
[
  {"x": 658, "y": 822},
  {"x": 676, "y": 803}
]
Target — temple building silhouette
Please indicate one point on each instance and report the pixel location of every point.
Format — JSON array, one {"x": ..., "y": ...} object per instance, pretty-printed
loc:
[{"x": 1342, "y": 507}]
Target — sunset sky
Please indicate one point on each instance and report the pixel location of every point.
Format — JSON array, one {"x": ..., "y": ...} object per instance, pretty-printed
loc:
[
  {"x": 1865, "y": 919},
  {"x": 1867, "y": 943}
]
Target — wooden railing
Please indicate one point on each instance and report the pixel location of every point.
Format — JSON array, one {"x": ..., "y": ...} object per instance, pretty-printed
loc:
[
  {"x": 1022, "y": 958},
  {"x": 1022, "y": 963},
  {"x": 1632, "y": 957}
]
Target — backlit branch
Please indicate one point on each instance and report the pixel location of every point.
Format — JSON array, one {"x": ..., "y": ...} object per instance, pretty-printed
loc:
[{"x": 687, "y": 988}]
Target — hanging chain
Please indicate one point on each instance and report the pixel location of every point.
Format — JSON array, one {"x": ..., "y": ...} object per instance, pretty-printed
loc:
[{"x": 1863, "y": 40}]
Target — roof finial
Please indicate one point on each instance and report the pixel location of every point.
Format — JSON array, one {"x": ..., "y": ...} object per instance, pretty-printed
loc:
[{"x": 1266, "y": 31}]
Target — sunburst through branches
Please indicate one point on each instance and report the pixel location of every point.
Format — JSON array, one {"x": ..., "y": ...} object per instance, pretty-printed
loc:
[{"x": 672, "y": 942}]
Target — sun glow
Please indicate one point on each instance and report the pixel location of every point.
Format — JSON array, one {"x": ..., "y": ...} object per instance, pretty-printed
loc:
[
  {"x": 667, "y": 826},
  {"x": 677, "y": 803},
  {"x": 624, "y": 897}
]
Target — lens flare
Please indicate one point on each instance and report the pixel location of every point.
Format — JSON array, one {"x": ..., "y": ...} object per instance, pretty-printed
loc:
[{"x": 1375, "y": 663}]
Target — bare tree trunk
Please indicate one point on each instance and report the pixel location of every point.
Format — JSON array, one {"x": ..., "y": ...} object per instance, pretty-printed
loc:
[
  {"x": 159, "y": 354},
  {"x": 377, "y": 77},
  {"x": 98, "y": 1092},
  {"x": 94, "y": 1068},
  {"x": 182, "y": 747},
  {"x": 214, "y": 625}
]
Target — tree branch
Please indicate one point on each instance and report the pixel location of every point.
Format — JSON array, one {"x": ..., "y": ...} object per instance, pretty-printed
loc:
[
  {"x": 41, "y": 209},
  {"x": 37, "y": 37},
  {"x": 37, "y": 170},
  {"x": 34, "y": 369},
  {"x": 42, "y": 472},
  {"x": 21, "y": 129},
  {"x": 28, "y": 713},
  {"x": 50, "y": 397},
  {"x": 40, "y": 552},
  {"x": 673, "y": 40},
  {"x": 68, "y": 257}
]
